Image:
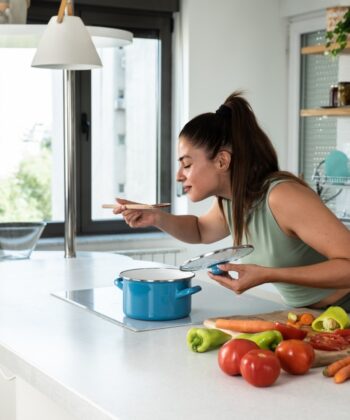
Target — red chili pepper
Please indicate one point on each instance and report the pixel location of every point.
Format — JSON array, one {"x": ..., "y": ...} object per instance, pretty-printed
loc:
[{"x": 290, "y": 332}]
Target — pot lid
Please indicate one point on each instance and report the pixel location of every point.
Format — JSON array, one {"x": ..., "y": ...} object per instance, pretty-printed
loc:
[{"x": 213, "y": 258}]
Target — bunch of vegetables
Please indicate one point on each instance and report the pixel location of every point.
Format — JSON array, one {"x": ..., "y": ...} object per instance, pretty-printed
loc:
[{"x": 264, "y": 348}]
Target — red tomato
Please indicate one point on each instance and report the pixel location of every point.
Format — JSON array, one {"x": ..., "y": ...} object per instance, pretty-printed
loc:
[
  {"x": 260, "y": 367},
  {"x": 295, "y": 356},
  {"x": 231, "y": 353}
]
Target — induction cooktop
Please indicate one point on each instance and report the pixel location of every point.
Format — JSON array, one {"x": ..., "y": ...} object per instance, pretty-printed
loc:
[{"x": 211, "y": 302}]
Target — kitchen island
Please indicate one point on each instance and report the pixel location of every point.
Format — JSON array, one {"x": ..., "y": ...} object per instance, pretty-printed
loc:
[{"x": 71, "y": 364}]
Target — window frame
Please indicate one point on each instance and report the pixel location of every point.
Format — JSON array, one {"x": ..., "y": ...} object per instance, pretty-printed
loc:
[
  {"x": 297, "y": 29},
  {"x": 143, "y": 23}
]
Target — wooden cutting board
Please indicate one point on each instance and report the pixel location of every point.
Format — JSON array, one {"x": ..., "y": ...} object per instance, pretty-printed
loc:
[{"x": 322, "y": 358}]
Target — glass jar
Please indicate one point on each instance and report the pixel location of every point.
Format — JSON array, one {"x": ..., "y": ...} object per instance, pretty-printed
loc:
[
  {"x": 333, "y": 96},
  {"x": 343, "y": 93}
]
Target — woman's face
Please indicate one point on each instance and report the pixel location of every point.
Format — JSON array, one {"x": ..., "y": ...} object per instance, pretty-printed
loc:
[{"x": 200, "y": 176}]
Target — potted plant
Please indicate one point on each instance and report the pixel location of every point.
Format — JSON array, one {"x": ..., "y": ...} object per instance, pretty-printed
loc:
[{"x": 338, "y": 29}]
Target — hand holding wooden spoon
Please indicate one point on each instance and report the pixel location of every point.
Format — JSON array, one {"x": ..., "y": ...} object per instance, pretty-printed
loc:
[{"x": 136, "y": 214}]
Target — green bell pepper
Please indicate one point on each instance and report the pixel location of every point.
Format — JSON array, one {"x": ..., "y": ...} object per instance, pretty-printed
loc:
[
  {"x": 205, "y": 339},
  {"x": 267, "y": 340},
  {"x": 331, "y": 319}
]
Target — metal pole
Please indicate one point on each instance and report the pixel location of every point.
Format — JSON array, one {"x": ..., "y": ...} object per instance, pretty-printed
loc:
[{"x": 69, "y": 163}]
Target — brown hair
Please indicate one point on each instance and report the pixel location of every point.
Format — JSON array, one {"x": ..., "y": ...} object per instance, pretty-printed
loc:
[{"x": 254, "y": 161}]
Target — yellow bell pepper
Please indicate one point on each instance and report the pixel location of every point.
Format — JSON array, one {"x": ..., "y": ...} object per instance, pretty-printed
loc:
[{"x": 333, "y": 318}]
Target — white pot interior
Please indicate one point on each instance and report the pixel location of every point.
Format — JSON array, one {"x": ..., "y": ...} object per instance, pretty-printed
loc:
[{"x": 156, "y": 274}]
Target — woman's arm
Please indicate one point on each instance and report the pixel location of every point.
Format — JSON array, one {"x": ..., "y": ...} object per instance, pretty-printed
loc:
[
  {"x": 208, "y": 228},
  {"x": 300, "y": 213}
]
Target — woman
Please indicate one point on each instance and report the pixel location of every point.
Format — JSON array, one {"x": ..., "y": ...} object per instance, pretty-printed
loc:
[{"x": 300, "y": 246}]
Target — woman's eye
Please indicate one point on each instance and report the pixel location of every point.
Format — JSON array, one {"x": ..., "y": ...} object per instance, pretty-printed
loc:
[{"x": 186, "y": 166}]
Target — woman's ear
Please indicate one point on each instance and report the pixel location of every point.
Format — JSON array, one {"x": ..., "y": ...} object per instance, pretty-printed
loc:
[{"x": 223, "y": 160}]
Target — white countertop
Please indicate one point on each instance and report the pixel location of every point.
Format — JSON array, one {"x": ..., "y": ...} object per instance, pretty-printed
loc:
[{"x": 98, "y": 370}]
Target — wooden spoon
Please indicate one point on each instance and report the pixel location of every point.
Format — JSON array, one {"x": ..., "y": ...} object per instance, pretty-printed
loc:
[{"x": 137, "y": 206}]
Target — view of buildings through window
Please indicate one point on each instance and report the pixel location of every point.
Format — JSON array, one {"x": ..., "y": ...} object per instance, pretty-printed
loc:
[
  {"x": 124, "y": 125},
  {"x": 124, "y": 132}
]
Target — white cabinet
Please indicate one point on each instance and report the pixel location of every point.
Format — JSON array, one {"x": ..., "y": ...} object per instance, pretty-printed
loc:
[
  {"x": 20, "y": 401},
  {"x": 7, "y": 395},
  {"x": 34, "y": 405}
]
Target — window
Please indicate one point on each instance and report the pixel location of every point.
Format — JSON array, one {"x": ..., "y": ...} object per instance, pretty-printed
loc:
[
  {"x": 133, "y": 168},
  {"x": 318, "y": 135},
  {"x": 31, "y": 152},
  {"x": 121, "y": 139},
  {"x": 123, "y": 143}
]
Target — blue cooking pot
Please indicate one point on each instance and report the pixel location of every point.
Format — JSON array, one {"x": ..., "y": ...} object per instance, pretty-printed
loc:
[{"x": 156, "y": 294}]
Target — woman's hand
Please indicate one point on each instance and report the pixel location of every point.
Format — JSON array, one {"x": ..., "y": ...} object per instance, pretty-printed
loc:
[
  {"x": 136, "y": 218},
  {"x": 249, "y": 275}
]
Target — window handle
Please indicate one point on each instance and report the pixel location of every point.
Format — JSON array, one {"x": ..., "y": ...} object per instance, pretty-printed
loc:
[{"x": 85, "y": 126}]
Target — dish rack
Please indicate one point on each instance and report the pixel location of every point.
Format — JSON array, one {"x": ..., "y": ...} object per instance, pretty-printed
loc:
[
  {"x": 331, "y": 181},
  {"x": 334, "y": 192}
]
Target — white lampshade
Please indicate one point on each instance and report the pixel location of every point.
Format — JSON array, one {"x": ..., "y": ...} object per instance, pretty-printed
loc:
[{"x": 66, "y": 45}]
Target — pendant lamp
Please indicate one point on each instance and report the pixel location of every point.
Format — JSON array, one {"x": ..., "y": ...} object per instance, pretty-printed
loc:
[{"x": 66, "y": 45}]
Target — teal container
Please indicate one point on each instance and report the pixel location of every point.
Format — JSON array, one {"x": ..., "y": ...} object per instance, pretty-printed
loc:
[{"x": 156, "y": 294}]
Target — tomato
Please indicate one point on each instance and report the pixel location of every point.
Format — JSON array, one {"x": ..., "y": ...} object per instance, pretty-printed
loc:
[
  {"x": 329, "y": 341},
  {"x": 290, "y": 332},
  {"x": 260, "y": 367},
  {"x": 295, "y": 356},
  {"x": 231, "y": 353}
]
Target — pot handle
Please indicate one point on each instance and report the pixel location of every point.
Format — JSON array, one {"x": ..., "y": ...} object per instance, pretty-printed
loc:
[
  {"x": 119, "y": 283},
  {"x": 187, "y": 292}
]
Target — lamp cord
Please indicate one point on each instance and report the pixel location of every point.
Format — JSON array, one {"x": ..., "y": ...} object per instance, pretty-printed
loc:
[
  {"x": 61, "y": 11},
  {"x": 65, "y": 4}
]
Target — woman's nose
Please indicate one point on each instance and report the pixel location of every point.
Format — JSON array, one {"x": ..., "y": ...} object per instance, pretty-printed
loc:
[{"x": 179, "y": 175}]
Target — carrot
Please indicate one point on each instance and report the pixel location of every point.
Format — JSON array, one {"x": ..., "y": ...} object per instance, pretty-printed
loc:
[
  {"x": 306, "y": 318},
  {"x": 334, "y": 367},
  {"x": 245, "y": 325},
  {"x": 294, "y": 324},
  {"x": 342, "y": 375}
]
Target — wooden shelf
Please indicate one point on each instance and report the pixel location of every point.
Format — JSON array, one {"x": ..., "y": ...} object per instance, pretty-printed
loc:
[
  {"x": 326, "y": 112},
  {"x": 320, "y": 49}
]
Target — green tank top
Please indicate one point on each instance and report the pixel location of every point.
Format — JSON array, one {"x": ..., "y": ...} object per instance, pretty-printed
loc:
[{"x": 273, "y": 248}]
